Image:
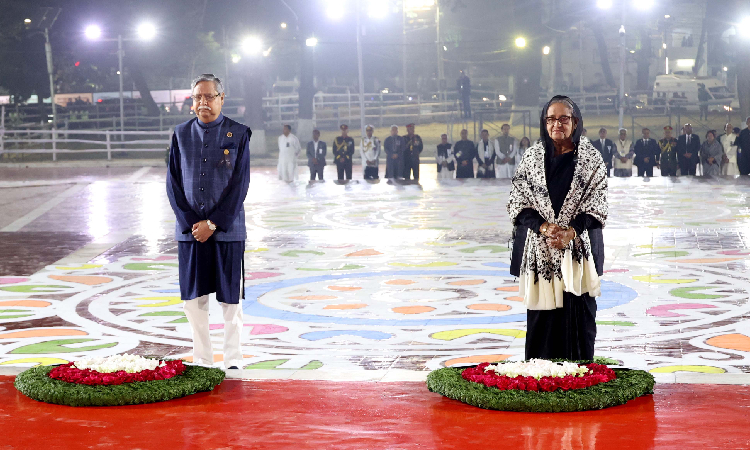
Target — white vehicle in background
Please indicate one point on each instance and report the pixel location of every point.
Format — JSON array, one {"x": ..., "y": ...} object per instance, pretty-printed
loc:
[{"x": 682, "y": 91}]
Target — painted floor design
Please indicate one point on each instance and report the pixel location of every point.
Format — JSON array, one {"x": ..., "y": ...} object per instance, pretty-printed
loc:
[{"x": 360, "y": 277}]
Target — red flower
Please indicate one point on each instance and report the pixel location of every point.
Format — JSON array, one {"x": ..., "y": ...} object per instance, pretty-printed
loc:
[
  {"x": 597, "y": 374},
  {"x": 71, "y": 374}
]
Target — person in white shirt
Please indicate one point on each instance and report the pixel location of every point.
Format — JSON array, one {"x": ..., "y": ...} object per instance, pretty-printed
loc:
[
  {"x": 623, "y": 155},
  {"x": 729, "y": 142},
  {"x": 369, "y": 150},
  {"x": 289, "y": 149},
  {"x": 505, "y": 148},
  {"x": 445, "y": 162}
]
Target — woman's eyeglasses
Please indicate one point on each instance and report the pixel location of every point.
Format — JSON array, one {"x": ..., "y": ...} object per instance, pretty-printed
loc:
[
  {"x": 209, "y": 97},
  {"x": 564, "y": 120}
]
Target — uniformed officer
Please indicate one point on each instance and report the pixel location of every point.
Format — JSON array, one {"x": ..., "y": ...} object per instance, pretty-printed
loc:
[{"x": 343, "y": 150}]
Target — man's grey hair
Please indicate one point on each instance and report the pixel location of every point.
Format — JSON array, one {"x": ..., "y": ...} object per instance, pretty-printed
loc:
[
  {"x": 394, "y": 126},
  {"x": 208, "y": 77}
]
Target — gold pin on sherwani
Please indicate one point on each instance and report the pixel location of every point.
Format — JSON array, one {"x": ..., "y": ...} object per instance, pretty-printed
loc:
[
  {"x": 229, "y": 134},
  {"x": 226, "y": 151}
]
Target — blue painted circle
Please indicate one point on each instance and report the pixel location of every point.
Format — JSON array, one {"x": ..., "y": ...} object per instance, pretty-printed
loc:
[{"x": 613, "y": 294}]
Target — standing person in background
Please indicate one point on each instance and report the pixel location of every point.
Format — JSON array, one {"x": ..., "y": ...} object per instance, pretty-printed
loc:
[
  {"x": 729, "y": 142},
  {"x": 711, "y": 155},
  {"x": 445, "y": 164},
  {"x": 413, "y": 147},
  {"x": 703, "y": 97},
  {"x": 316, "y": 156},
  {"x": 464, "y": 152},
  {"x": 688, "y": 146},
  {"x": 464, "y": 93},
  {"x": 585, "y": 133},
  {"x": 369, "y": 150},
  {"x": 289, "y": 150},
  {"x": 343, "y": 150},
  {"x": 668, "y": 157},
  {"x": 394, "y": 153},
  {"x": 743, "y": 160},
  {"x": 606, "y": 148},
  {"x": 647, "y": 154},
  {"x": 505, "y": 148},
  {"x": 623, "y": 155},
  {"x": 485, "y": 156},
  {"x": 525, "y": 143}
]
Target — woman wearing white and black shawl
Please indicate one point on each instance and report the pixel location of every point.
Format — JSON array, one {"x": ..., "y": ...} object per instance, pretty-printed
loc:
[{"x": 558, "y": 203}]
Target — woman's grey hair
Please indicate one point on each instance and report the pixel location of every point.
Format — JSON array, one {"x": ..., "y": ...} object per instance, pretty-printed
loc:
[
  {"x": 564, "y": 101},
  {"x": 208, "y": 77}
]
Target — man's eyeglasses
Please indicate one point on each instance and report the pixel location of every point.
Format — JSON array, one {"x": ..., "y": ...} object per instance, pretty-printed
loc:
[
  {"x": 209, "y": 97},
  {"x": 564, "y": 120}
]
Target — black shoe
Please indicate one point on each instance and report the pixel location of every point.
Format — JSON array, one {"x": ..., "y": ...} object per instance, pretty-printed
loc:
[{"x": 234, "y": 368}]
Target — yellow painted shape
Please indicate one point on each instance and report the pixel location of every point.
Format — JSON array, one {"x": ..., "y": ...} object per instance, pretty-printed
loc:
[
  {"x": 166, "y": 301},
  {"x": 698, "y": 369},
  {"x": 432, "y": 264},
  {"x": 39, "y": 361},
  {"x": 366, "y": 252},
  {"x": 42, "y": 332},
  {"x": 702, "y": 260},
  {"x": 81, "y": 267},
  {"x": 257, "y": 250},
  {"x": 455, "y": 334},
  {"x": 654, "y": 278}
]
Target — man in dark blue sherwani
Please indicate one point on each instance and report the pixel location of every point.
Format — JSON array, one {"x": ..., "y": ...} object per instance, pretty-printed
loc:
[{"x": 207, "y": 182}]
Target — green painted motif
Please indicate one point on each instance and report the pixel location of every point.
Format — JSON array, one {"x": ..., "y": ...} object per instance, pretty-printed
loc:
[
  {"x": 296, "y": 253},
  {"x": 491, "y": 248},
  {"x": 35, "y": 288},
  {"x": 274, "y": 365},
  {"x": 162, "y": 313},
  {"x": 344, "y": 267},
  {"x": 58, "y": 346},
  {"x": 687, "y": 293},
  {"x": 666, "y": 254},
  {"x": 615, "y": 323}
]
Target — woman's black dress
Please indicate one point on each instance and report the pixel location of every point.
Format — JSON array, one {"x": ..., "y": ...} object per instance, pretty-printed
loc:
[{"x": 568, "y": 332}]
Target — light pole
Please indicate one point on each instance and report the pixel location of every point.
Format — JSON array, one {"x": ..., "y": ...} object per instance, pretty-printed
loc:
[{"x": 145, "y": 32}]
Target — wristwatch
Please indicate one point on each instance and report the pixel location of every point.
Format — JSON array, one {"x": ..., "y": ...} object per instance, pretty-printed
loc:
[
  {"x": 211, "y": 225},
  {"x": 543, "y": 228}
]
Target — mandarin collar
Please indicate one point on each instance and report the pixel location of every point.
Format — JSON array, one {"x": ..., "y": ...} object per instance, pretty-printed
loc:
[{"x": 211, "y": 124}]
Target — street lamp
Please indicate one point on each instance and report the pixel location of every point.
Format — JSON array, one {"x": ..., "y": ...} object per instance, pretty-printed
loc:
[
  {"x": 335, "y": 9},
  {"x": 144, "y": 32},
  {"x": 377, "y": 9},
  {"x": 311, "y": 42},
  {"x": 643, "y": 5},
  {"x": 546, "y": 50},
  {"x": 283, "y": 25},
  {"x": 604, "y": 4},
  {"x": 744, "y": 28},
  {"x": 252, "y": 45},
  {"x": 27, "y": 21},
  {"x": 520, "y": 42}
]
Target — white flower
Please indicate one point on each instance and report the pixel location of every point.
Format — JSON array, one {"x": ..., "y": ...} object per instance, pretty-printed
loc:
[
  {"x": 116, "y": 363},
  {"x": 538, "y": 368}
]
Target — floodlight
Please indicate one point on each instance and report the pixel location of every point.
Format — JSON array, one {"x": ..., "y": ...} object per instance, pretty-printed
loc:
[
  {"x": 520, "y": 42},
  {"x": 377, "y": 9},
  {"x": 643, "y": 5},
  {"x": 252, "y": 45},
  {"x": 546, "y": 50},
  {"x": 311, "y": 42},
  {"x": 335, "y": 9},
  {"x": 604, "y": 4},
  {"x": 146, "y": 31},
  {"x": 93, "y": 32}
]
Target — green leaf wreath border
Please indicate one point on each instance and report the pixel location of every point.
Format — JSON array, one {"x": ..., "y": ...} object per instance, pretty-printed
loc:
[
  {"x": 628, "y": 385},
  {"x": 36, "y": 384}
]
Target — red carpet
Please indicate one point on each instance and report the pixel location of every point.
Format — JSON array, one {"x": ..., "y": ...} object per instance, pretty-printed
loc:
[{"x": 323, "y": 415}]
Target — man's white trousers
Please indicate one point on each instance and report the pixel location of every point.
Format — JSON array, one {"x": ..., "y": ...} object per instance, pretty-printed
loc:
[{"x": 196, "y": 311}]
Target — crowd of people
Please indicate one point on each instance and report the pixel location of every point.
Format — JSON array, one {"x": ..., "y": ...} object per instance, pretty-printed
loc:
[
  {"x": 496, "y": 158},
  {"x": 725, "y": 154}
]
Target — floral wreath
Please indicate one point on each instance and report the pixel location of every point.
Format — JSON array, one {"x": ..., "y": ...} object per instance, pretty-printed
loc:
[
  {"x": 116, "y": 381},
  {"x": 586, "y": 391}
]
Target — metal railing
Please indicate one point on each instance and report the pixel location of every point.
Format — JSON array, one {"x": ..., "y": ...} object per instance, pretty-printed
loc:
[{"x": 57, "y": 142}]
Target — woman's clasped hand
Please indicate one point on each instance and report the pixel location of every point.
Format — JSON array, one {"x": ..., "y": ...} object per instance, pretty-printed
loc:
[{"x": 557, "y": 236}]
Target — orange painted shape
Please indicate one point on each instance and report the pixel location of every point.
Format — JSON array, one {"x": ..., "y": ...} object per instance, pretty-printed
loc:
[
  {"x": 702, "y": 260},
  {"x": 514, "y": 299},
  {"x": 366, "y": 252},
  {"x": 347, "y": 306},
  {"x": 314, "y": 297},
  {"x": 400, "y": 282},
  {"x": 507, "y": 288},
  {"x": 412, "y": 309},
  {"x": 489, "y": 307},
  {"x": 344, "y": 288},
  {"x": 42, "y": 332},
  {"x": 734, "y": 341},
  {"x": 467, "y": 282},
  {"x": 476, "y": 359},
  {"x": 26, "y": 303},
  {"x": 88, "y": 280}
]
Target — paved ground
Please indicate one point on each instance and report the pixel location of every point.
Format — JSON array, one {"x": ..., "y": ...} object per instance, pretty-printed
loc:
[{"x": 366, "y": 281}]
